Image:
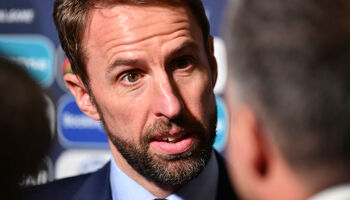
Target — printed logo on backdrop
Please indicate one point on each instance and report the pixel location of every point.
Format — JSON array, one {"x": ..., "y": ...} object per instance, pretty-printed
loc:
[
  {"x": 17, "y": 15},
  {"x": 45, "y": 174},
  {"x": 75, "y": 162},
  {"x": 221, "y": 127},
  {"x": 75, "y": 129},
  {"x": 63, "y": 67},
  {"x": 34, "y": 52}
]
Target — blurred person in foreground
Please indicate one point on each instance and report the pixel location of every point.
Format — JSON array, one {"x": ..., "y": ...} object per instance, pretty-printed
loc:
[
  {"x": 289, "y": 99},
  {"x": 25, "y": 127},
  {"x": 146, "y": 69}
]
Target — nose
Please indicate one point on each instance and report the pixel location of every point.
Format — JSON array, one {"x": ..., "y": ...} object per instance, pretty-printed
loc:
[{"x": 167, "y": 101}]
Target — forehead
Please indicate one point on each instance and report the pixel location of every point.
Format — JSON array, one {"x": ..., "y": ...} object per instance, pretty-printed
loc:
[{"x": 127, "y": 24}]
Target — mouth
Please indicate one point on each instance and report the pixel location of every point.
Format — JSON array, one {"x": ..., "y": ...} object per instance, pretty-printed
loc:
[
  {"x": 172, "y": 143},
  {"x": 170, "y": 138}
]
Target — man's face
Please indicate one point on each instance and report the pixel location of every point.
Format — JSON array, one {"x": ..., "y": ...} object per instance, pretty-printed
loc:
[{"x": 152, "y": 85}]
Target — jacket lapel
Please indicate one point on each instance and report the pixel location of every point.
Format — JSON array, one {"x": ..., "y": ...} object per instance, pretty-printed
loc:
[
  {"x": 96, "y": 186},
  {"x": 224, "y": 188}
]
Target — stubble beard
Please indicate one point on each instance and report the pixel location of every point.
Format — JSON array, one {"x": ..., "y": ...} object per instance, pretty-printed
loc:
[{"x": 168, "y": 169}]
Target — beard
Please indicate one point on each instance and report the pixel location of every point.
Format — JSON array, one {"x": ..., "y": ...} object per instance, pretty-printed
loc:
[{"x": 166, "y": 169}]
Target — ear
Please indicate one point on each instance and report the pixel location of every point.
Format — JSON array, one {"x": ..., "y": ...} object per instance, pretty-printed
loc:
[
  {"x": 81, "y": 95},
  {"x": 261, "y": 159},
  {"x": 213, "y": 64}
]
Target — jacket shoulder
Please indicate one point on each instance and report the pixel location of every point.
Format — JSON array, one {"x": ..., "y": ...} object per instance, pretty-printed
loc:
[
  {"x": 59, "y": 189},
  {"x": 89, "y": 186},
  {"x": 225, "y": 188}
]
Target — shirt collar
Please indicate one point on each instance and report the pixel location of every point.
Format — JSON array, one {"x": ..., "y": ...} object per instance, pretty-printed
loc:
[
  {"x": 340, "y": 192},
  {"x": 202, "y": 187}
]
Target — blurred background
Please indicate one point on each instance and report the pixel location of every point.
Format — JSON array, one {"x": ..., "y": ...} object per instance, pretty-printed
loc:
[{"x": 28, "y": 37}]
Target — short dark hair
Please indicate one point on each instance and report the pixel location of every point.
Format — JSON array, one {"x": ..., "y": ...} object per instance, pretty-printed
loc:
[
  {"x": 70, "y": 17},
  {"x": 25, "y": 126},
  {"x": 291, "y": 60}
]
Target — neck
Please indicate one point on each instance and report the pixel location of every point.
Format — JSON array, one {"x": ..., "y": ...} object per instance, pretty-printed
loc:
[{"x": 158, "y": 190}]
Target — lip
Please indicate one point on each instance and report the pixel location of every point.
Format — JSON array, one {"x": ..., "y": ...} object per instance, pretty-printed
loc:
[{"x": 173, "y": 148}]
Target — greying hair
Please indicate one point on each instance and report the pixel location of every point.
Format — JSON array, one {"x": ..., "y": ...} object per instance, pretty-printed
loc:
[{"x": 291, "y": 60}]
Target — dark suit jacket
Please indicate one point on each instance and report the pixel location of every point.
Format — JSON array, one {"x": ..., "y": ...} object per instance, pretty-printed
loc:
[{"x": 96, "y": 186}]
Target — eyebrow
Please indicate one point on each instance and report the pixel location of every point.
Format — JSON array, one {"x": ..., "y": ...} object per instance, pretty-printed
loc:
[
  {"x": 188, "y": 45},
  {"x": 121, "y": 62}
]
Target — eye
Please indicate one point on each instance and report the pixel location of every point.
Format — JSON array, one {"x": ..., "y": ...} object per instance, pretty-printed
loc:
[
  {"x": 182, "y": 62},
  {"x": 131, "y": 77}
]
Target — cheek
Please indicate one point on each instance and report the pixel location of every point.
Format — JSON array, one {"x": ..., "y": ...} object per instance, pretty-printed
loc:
[
  {"x": 230, "y": 154},
  {"x": 238, "y": 165},
  {"x": 123, "y": 116},
  {"x": 232, "y": 151},
  {"x": 208, "y": 103},
  {"x": 198, "y": 95}
]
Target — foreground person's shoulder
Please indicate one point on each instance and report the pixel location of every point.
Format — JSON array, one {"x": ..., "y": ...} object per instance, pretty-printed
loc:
[{"x": 59, "y": 189}]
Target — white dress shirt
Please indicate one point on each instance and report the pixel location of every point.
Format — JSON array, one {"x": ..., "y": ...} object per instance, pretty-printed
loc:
[{"x": 340, "y": 192}]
